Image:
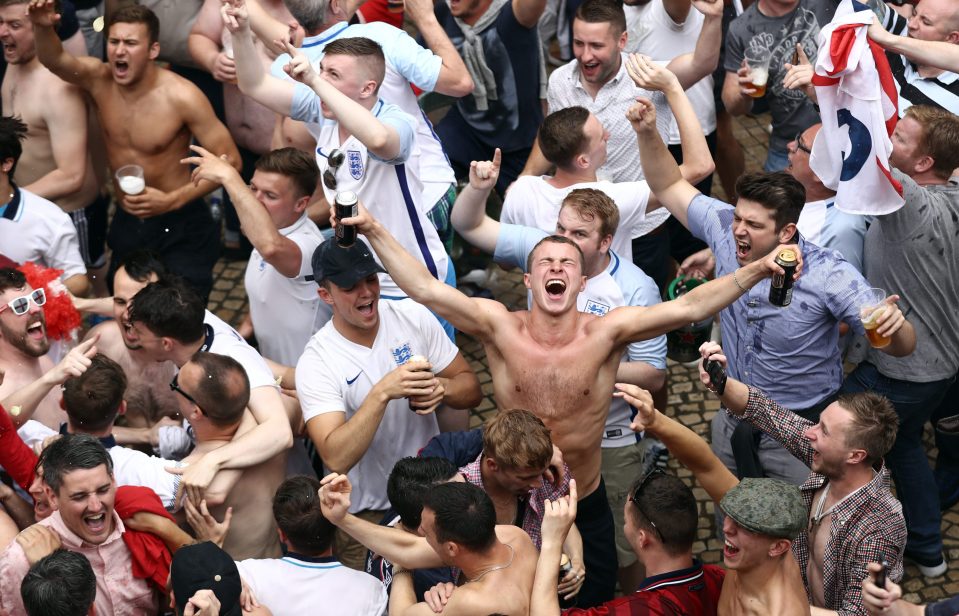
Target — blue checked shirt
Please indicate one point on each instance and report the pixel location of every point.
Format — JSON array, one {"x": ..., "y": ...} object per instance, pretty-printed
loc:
[{"x": 791, "y": 353}]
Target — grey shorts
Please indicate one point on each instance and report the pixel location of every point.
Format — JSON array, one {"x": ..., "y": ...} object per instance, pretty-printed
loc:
[{"x": 621, "y": 467}]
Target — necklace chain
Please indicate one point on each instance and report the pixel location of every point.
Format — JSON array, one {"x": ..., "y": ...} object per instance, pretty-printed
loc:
[{"x": 509, "y": 562}]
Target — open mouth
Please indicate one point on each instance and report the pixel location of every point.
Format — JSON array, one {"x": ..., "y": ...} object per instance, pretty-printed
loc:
[
  {"x": 729, "y": 549},
  {"x": 36, "y": 330},
  {"x": 742, "y": 249},
  {"x": 555, "y": 288},
  {"x": 96, "y": 523},
  {"x": 365, "y": 309},
  {"x": 121, "y": 67}
]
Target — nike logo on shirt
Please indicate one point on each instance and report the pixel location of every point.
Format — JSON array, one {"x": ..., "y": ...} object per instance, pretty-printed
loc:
[{"x": 353, "y": 380}]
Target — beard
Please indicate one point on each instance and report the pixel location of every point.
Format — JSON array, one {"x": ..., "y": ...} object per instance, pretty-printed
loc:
[{"x": 22, "y": 341}]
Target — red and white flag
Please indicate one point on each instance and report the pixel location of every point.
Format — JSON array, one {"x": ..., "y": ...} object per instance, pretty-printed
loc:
[{"x": 858, "y": 102}]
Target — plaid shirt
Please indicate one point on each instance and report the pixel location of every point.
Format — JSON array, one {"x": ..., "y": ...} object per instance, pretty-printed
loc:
[
  {"x": 533, "y": 518},
  {"x": 866, "y": 527}
]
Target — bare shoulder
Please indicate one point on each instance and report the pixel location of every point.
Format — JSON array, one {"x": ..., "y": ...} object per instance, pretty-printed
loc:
[
  {"x": 110, "y": 341},
  {"x": 181, "y": 92},
  {"x": 515, "y": 536}
]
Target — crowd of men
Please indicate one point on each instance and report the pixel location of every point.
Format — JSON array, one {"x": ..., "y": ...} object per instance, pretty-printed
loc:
[{"x": 318, "y": 458}]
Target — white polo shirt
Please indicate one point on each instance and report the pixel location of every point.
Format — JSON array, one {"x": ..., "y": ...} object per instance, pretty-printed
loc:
[
  {"x": 286, "y": 311},
  {"x": 37, "y": 230},
  {"x": 406, "y": 63},
  {"x": 390, "y": 189},
  {"x": 297, "y": 585},
  {"x": 534, "y": 202},
  {"x": 222, "y": 339},
  {"x": 620, "y": 284},
  {"x": 335, "y": 375}
]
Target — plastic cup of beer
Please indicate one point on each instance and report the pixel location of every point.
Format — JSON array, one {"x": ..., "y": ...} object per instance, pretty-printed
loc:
[
  {"x": 130, "y": 179},
  {"x": 417, "y": 358},
  {"x": 872, "y": 305},
  {"x": 757, "y": 61}
]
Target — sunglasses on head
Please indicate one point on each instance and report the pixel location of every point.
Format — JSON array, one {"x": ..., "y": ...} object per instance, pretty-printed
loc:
[
  {"x": 20, "y": 305},
  {"x": 637, "y": 493},
  {"x": 335, "y": 160}
]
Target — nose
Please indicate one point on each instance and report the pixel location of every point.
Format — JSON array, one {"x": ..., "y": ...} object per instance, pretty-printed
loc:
[
  {"x": 729, "y": 527},
  {"x": 739, "y": 229},
  {"x": 810, "y": 433},
  {"x": 94, "y": 504}
]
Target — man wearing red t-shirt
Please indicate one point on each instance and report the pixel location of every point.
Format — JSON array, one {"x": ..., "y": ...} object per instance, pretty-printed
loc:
[{"x": 660, "y": 525}]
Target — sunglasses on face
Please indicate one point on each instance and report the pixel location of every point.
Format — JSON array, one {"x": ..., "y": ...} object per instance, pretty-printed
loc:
[
  {"x": 20, "y": 305},
  {"x": 175, "y": 386},
  {"x": 335, "y": 160},
  {"x": 637, "y": 493}
]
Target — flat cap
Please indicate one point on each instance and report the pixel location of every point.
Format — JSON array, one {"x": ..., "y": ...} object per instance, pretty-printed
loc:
[{"x": 768, "y": 506}]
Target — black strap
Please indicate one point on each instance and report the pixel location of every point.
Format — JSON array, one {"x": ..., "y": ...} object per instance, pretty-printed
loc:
[{"x": 207, "y": 338}]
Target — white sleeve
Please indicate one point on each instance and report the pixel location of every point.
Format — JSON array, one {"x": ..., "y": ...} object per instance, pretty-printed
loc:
[
  {"x": 316, "y": 387},
  {"x": 633, "y": 213},
  {"x": 63, "y": 252},
  {"x": 33, "y": 432},
  {"x": 150, "y": 471},
  {"x": 441, "y": 350}
]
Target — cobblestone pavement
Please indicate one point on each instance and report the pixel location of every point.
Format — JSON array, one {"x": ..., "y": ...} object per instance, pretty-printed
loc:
[{"x": 688, "y": 401}]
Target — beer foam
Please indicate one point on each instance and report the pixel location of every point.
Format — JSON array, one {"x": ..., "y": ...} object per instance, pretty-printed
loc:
[
  {"x": 759, "y": 76},
  {"x": 132, "y": 185}
]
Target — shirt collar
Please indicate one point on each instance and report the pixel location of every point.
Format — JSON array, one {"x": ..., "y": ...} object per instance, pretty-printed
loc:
[
  {"x": 108, "y": 442},
  {"x": 69, "y": 538},
  {"x": 326, "y": 36},
  {"x": 311, "y": 559},
  {"x": 12, "y": 208}
]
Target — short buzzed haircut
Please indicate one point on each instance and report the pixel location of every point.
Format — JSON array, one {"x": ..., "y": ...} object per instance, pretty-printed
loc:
[
  {"x": 666, "y": 507},
  {"x": 296, "y": 509},
  {"x": 410, "y": 480},
  {"x": 603, "y": 11},
  {"x": 464, "y": 514},
  {"x": 294, "y": 164},
  {"x": 92, "y": 400},
  {"x": 517, "y": 439},
  {"x": 556, "y": 239},
  {"x": 223, "y": 392},
  {"x": 137, "y": 14},
  {"x": 590, "y": 204},
  {"x": 72, "y": 452},
  {"x": 940, "y": 134},
  {"x": 364, "y": 48},
  {"x": 561, "y": 136}
]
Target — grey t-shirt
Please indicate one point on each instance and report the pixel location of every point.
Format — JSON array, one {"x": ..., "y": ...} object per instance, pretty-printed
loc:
[
  {"x": 792, "y": 110},
  {"x": 914, "y": 252}
]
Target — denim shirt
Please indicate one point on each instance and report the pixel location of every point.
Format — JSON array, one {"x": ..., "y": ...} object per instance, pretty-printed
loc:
[{"x": 791, "y": 353}]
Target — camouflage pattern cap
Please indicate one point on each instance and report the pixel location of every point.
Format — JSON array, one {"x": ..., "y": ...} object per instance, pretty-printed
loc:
[{"x": 767, "y": 506}]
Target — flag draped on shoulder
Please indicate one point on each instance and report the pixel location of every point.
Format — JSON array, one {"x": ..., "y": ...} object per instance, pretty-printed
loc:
[{"x": 858, "y": 102}]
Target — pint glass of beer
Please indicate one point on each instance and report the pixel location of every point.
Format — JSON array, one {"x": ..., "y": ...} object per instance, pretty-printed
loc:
[
  {"x": 872, "y": 305},
  {"x": 757, "y": 60}
]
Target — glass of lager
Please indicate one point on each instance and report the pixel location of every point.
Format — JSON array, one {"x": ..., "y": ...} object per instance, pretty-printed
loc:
[
  {"x": 872, "y": 305},
  {"x": 757, "y": 61}
]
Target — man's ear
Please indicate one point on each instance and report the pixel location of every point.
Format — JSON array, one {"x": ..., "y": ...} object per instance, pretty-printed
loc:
[
  {"x": 122, "y": 410},
  {"x": 924, "y": 164},
  {"x": 324, "y": 294},
  {"x": 779, "y": 547},
  {"x": 51, "y": 496},
  {"x": 155, "y": 50},
  {"x": 787, "y": 233}
]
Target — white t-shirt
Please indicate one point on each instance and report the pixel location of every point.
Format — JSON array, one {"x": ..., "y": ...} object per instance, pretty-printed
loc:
[
  {"x": 534, "y": 202},
  {"x": 653, "y": 32},
  {"x": 130, "y": 467},
  {"x": 296, "y": 585},
  {"x": 335, "y": 375},
  {"x": 286, "y": 311},
  {"x": 406, "y": 63},
  {"x": 620, "y": 284},
  {"x": 222, "y": 339},
  {"x": 390, "y": 189},
  {"x": 37, "y": 230}
]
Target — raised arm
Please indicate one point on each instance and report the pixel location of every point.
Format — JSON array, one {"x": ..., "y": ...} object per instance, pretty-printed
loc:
[
  {"x": 528, "y": 12},
  {"x": 271, "y": 31},
  {"x": 558, "y": 517},
  {"x": 380, "y": 138},
  {"x": 454, "y": 79},
  {"x": 475, "y": 317},
  {"x": 690, "y": 68},
  {"x": 78, "y": 71},
  {"x": 697, "y": 161},
  {"x": 469, "y": 212},
  {"x": 633, "y": 323},
  {"x": 666, "y": 181},
  {"x": 278, "y": 250},
  {"x": 397, "y": 546},
  {"x": 691, "y": 450},
  {"x": 252, "y": 78},
  {"x": 940, "y": 54}
]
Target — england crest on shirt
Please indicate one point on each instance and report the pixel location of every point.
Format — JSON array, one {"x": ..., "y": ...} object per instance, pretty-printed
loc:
[
  {"x": 594, "y": 307},
  {"x": 402, "y": 353},
  {"x": 355, "y": 161}
]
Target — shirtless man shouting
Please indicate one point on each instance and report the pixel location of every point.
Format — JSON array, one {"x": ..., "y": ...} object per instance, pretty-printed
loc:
[
  {"x": 554, "y": 360},
  {"x": 149, "y": 116}
]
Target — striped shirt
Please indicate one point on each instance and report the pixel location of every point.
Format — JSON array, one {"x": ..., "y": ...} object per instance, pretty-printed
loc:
[
  {"x": 866, "y": 527},
  {"x": 940, "y": 91}
]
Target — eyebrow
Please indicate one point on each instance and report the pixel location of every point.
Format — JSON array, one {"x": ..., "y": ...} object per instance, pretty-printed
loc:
[{"x": 98, "y": 489}]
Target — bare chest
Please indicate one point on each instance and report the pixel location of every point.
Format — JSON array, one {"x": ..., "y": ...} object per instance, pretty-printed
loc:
[
  {"x": 147, "y": 124},
  {"x": 24, "y": 97}
]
